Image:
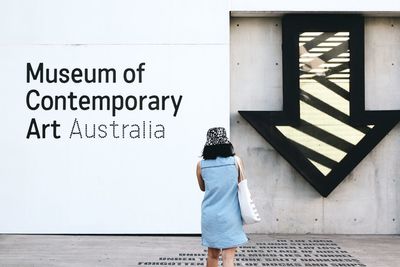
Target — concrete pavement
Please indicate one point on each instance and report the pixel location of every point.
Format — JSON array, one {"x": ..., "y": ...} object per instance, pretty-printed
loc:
[{"x": 262, "y": 250}]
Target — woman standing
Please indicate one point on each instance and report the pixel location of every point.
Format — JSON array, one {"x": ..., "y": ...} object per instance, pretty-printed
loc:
[{"x": 218, "y": 176}]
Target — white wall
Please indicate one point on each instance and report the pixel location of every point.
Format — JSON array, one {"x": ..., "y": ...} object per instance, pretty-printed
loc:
[
  {"x": 110, "y": 185},
  {"x": 113, "y": 22},
  {"x": 368, "y": 200}
]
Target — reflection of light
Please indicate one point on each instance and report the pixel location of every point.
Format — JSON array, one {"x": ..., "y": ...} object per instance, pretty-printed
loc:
[
  {"x": 318, "y": 70},
  {"x": 339, "y": 75},
  {"x": 313, "y": 143},
  {"x": 311, "y": 33},
  {"x": 321, "y": 119},
  {"x": 330, "y": 65},
  {"x": 306, "y": 59},
  {"x": 307, "y": 80},
  {"x": 342, "y": 34},
  {"x": 339, "y": 60},
  {"x": 343, "y": 83},
  {"x": 320, "y": 49},
  {"x": 324, "y": 94},
  {"x": 311, "y": 54},
  {"x": 306, "y": 39},
  {"x": 321, "y": 168},
  {"x": 312, "y": 111},
  {"x": 329, "y": 44},
  {"x": 341, "y": 39},
  {"x": 307, "y": 75}
]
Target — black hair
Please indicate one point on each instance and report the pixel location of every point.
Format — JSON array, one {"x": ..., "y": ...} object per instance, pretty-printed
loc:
[{"x": 214, "y": 151}]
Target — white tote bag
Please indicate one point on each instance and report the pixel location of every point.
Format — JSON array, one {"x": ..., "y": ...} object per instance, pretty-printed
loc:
[{"x": 247, "y": 207}]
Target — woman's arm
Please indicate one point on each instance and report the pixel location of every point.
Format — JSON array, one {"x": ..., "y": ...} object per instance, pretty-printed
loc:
[
  {"x": 199, "y": 178},
  {"x": 239, "y": 163}
]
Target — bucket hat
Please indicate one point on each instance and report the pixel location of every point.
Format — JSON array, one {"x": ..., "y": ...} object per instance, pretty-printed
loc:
[{"x": 217, "y": 136}]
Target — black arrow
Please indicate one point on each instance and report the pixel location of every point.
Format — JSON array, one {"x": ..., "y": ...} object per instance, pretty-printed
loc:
[{"x": 323, "y": 130}]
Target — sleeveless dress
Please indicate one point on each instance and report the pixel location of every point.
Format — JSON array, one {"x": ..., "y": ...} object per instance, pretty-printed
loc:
[{"x": 221, "y": 222}]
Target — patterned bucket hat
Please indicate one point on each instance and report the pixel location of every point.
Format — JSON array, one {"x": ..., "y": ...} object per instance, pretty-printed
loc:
[{"x": 216, "y": 136}]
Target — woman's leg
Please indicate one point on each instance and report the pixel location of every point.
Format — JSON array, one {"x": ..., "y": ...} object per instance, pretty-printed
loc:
[
  {"x": 212, "y": 257},
  {"x": 228, "y": 256}
]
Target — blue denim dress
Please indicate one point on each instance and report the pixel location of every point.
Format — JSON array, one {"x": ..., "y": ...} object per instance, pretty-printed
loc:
[{"x": 221, "y": 222}]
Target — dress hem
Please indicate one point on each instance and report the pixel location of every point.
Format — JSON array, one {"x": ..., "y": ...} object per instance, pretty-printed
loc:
[{"x": 224, "y": 247}]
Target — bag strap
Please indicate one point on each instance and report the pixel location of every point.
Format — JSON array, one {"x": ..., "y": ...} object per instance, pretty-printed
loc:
[{"x": 240, "y": 170}]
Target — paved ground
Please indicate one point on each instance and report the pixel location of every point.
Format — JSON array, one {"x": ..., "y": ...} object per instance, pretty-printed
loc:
[{"x": 262, "y": 250}]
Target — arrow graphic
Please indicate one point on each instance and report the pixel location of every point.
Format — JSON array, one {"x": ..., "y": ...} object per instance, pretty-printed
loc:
[{"x": 323, "y": 131}]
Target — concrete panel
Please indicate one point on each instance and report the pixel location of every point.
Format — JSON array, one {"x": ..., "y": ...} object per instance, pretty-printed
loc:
[
  {"x": 251, "y": 63},
  {"x": 366, "y": 202},
  {"x": 382, "y": 63},
  {"x": 314, "y": 5}
]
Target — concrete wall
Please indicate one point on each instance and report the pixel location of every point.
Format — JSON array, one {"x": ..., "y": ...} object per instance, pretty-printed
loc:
[
  {"x": 368, "y": 200},
  {"x": 261, "y": 6}
]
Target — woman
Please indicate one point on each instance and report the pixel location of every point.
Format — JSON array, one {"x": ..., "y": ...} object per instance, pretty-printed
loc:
[{"x": 218, "y": 176}]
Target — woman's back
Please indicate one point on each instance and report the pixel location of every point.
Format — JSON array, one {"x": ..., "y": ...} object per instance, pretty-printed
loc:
[{"x": 221, "y": 220}]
